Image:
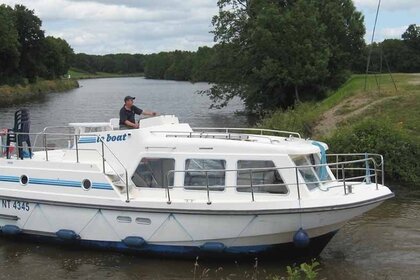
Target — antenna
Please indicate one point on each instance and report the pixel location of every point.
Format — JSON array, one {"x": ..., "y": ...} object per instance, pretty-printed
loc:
[{"x": 382, "y": 56}]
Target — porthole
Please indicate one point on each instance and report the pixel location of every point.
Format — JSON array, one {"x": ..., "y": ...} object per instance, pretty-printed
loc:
[
  {"x": 24, "y": 180},
  {"x": 143, "y": 221},
  {"x": 124, "y": 219},
  {"x": 86, "y": 184}
]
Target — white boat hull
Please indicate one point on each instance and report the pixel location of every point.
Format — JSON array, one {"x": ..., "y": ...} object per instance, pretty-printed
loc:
[{"x": 180, "y": 234}]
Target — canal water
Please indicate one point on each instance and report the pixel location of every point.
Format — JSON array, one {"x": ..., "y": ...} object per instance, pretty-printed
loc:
[{"x": 382, "y": 244}]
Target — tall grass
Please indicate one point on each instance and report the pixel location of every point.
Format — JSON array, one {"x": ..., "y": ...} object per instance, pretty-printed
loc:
[{"x": 22, "y": 93}]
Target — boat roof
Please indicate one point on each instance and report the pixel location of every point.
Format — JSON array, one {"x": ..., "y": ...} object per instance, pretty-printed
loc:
[{"x": 166, "y": 132}]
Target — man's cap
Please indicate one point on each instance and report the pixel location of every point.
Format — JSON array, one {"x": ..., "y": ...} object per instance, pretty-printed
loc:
[{"x": 128, "y": 97}]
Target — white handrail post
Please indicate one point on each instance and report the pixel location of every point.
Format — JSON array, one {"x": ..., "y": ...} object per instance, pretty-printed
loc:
[
  {"x": 76, "y": 143},
  {"x": 343, "y": 173},
  {"x": 208, "y": 189},
  {"x": 297, "y": 182},
  {"x": 126, "y": 187},
  {"x": 103, "y": 156},
  {"x": 45, "y": 147},
  {"x": 252, "y": 186}
]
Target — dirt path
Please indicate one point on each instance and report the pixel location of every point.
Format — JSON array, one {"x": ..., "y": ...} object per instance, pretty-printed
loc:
[{"x": 352, "y": 107}]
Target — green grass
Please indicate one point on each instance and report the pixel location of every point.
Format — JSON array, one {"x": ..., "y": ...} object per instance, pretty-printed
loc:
[
  {"x": 80, "y": 74},
  {"x": 22, "y": 93},
  {"x": 399, "y": 107}
]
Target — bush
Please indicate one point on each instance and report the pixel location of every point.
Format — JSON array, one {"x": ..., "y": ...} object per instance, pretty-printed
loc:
[
  {"x": 301, "y": 118},
  {"x": 400, "y": 152}
]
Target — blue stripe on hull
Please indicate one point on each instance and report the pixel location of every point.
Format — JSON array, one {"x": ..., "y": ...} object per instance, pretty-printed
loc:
[
  {"x": 286, "y": 251},
  {"x": 51, "y": 182}
]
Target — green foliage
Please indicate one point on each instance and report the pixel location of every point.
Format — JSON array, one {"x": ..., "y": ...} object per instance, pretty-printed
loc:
[
  {"x": 400, "y": 55},
  {"x": 9, "y": 45},
  {"x": 24, "y": 51},
  {"x": 412, "y": 37},
  {"x": 269, "y": 52},
  {"x": 31, "y": 37},
  {"x": 110, "y": 63},
  {"x": 303, "y": 272},
  {"x": 56, "y": 57},
  {"x": 300, "y": 118},
  {"x": 23, "y": 93},
  {"x": 400, "y": 151}
]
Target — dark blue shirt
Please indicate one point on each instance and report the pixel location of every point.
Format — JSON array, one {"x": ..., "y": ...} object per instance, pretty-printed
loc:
[{"x": 129, "y": 115}]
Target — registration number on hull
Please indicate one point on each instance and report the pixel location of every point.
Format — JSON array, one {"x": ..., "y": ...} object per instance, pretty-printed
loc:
[{"x": 15, "y": 204}]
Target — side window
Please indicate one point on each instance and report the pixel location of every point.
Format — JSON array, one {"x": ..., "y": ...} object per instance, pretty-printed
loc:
[
  {"x": 153, "y": 172},
  {"x": 196, "y": 178},
  {"x": 265, "y": 179}
]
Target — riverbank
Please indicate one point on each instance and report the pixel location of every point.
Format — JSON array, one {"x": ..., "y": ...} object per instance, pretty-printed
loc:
[
  {"x": 79, "y": 74},
  {"x": 21, "y": 93},
  {"x": 381, "y": 119}
]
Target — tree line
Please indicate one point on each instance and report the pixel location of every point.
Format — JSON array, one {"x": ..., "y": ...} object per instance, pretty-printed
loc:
[
  {"x": 395, "y": 55},
  {"x": 269, "y": 53},
  {"x": 25, "y": 52}
]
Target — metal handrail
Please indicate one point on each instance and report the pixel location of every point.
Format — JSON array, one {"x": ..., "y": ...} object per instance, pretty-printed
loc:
[
  {"x": 260, "y": 130},
  {"x": 177, "y": 134},
  {"x": 344, "y": 180},
  {"x": 230, "y": 130},
  {"x": 77, "y": 149},
  {"x": 381, "y": 164}
]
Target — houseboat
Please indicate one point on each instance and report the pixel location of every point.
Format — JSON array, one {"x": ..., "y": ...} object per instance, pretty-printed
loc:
[{"x": 167, "y": 189}]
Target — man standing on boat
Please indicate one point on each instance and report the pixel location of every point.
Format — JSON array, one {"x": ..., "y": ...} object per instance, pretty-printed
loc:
[{"x": 129, "y": 111}]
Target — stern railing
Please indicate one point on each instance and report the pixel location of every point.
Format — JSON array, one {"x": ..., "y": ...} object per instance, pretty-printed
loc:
[{"x": 70, "y": 142}]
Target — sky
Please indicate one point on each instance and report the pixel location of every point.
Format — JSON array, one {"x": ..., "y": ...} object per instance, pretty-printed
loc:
[{"x": 148, "y": 26}]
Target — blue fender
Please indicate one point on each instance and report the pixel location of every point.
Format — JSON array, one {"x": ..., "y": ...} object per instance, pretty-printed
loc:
[
  {"x": 67, "y": 234},
  {"x": 134, "y": 241},
  {"x": 301, "y": 238},
  {"x": 213, "y": 247},
  {"x": 10, "y": 230}
]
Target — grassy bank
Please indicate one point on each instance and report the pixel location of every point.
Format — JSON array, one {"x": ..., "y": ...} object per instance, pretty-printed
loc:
[
  {"x": 80, "y": 74},
  {"x": 351, "y": 103},
  {"x": 379, "y": 119},
  {"x": 21, "y": 93}
]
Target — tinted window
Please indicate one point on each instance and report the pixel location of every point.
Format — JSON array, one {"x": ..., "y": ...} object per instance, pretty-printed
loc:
[
  {"x": 152, "y": 172},
  {"x": 267, "y": 179},
  {"x": 196, "y": 178}
]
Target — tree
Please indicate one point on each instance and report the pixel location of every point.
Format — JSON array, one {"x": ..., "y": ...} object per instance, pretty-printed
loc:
[
  {"x": 270, "y": 52},
  {"x": 57, "y": 56},
  {"x": 412, "y": 36},
  {"x": 9, "y": 45},
  {"x": 30, "y": 38}
]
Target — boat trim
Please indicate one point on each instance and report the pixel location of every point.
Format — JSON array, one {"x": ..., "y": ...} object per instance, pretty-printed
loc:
[{"x": 210, "y": 211}]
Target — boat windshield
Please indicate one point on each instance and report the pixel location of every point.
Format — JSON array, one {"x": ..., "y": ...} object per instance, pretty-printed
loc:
[{"x": 311, "y": 175}]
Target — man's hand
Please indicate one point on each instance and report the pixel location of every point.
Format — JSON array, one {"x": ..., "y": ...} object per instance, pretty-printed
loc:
[{"x": 130, "y": 124}]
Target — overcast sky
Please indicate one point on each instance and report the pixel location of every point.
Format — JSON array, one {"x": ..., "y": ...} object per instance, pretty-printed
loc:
[{"x": 147, "y": 26}]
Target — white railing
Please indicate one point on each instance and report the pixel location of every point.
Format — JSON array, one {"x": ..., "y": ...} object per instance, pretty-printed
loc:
[{"x": 49, "y": 141}]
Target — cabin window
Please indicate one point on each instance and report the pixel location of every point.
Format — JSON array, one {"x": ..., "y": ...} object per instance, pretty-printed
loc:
[
  {"x": 265, "y": 178},
  {"x": 197, "y": 178},
  {"x": 308, "y": 173},
  {"x": 153, "y": 173}
]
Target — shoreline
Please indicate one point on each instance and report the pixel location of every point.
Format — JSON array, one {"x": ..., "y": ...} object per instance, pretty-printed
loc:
[
  {"x": 81, "y": 75},
  {"x": 17, "y": 94}
]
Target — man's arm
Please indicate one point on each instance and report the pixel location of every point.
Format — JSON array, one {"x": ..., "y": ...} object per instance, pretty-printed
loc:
[
  {"x": 149, "y": 113},
  {"x": 139, "y": 111}
]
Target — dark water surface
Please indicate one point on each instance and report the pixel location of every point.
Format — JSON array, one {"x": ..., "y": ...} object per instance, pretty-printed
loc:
[{"x": 382, "y": 244}]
